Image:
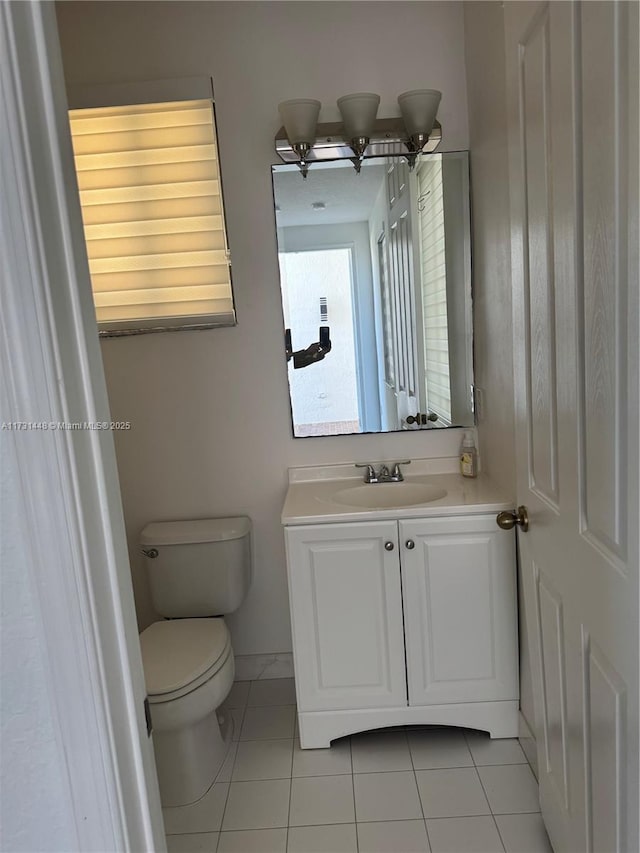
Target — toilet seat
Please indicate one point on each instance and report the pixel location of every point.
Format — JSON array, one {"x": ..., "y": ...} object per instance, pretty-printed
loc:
[{"x": 180, "y": 655}]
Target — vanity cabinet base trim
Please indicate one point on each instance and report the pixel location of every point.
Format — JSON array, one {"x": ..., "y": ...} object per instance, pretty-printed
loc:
[{"x": 319, "y": 728}]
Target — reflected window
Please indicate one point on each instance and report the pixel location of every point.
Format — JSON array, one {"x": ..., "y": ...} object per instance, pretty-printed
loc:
[{"x": 433, "y": 275}]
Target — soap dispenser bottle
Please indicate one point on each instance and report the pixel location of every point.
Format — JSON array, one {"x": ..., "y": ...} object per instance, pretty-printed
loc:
[{"x": 468, "y": 456}]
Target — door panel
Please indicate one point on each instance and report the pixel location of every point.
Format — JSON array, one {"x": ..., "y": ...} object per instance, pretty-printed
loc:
[
  {"x": 573, "y": 67},
  {"x": 540, "y": 300},
  {"x": 550, "y": 625},
  {"x": 602, "y": 274},
  {"x": 604, "y": 714},
  {"x": 460, "y": 612},
  {"x": 347, "y": 616}
]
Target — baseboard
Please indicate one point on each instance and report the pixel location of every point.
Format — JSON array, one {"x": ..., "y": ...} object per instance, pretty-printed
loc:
[
  {"x": 259, "y": 667},
  {"x": 528, "y": 743}
]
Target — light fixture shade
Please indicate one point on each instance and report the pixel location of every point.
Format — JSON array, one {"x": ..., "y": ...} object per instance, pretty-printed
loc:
[
  {"x": 419, "y": 108},
  {"x": 358, "y": 114},
  {"x": 300, "y": 117}
]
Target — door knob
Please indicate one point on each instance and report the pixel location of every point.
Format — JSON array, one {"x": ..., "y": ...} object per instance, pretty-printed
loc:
[
  {"x": 509, "y": 518},
  {"x": 410, "y": 544},
  {"x": 388, "y": 546},
  {"x": 422, "y": 419}
]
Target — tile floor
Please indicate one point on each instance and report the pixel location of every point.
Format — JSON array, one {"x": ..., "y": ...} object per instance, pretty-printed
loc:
[{"x": 400, "y": 791}]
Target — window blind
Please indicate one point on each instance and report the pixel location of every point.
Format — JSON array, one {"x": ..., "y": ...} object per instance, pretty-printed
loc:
[{"x": 153, "y": 217}]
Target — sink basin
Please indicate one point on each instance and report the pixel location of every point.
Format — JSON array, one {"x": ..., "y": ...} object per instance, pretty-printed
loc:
[{"x": 389, "y": 495}]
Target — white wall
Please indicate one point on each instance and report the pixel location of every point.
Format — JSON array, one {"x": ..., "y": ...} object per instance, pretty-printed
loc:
[
  {"x": 210, "y": 417},
  {"x": 486, "y": 82},
  {"x": 36, "y": 807}
]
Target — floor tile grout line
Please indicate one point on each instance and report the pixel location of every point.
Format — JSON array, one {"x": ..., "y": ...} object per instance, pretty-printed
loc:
[
  {"x": 483, "y": 767},
  {"x": 226, "y": 800},
  {"x": 293, "y": 751},
  {"x": 529, "y": 763},
  {"x": 235, "y": 757},
  {"x": 506, "y": 814},
  {"x": 340, "y": 823},
  {"x": 400, "y": 820},
  {"x": 244, "y": 711},
  {"x": 498, "y": 763},
  {"x": 265, "y": 739},
  {"x": 499, "y": 833},
  {"x": 353, "y": 791},
  {"x": 264, "y": 778},
  {"x": 473, "y": 758},
  {"x": 484, "y": 791},
  {"x": 415, "y": 777},
  {"x": 349, "y": 822},
  {"x": 369, "y": 773}
]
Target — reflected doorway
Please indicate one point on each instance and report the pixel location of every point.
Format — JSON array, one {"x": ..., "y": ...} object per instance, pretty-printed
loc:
[{"x": 318, "y": 290}]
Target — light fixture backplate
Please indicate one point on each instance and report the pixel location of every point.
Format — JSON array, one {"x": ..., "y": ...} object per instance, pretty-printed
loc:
[{"x": 388, "y": 138}]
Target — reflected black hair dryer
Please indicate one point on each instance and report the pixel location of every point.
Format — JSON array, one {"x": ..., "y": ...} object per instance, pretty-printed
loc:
[{"x": 313, "y": 353}]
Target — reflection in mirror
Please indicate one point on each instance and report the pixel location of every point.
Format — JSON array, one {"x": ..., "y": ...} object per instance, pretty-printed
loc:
[{"x": 378, "y": 267}]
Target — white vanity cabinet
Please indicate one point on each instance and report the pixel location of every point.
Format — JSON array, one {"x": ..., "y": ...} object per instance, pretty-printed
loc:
[
  {"x": 346, "y": 608},
  {"x": 403, "y": 621},
  {"x": 460, "y": 611}
]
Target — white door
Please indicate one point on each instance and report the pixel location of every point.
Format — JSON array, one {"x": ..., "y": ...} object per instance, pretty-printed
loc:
[
  {"x": 76, "y": 568},
  {"x": 398, "y": 299},
  {"x": 346, "y": 606},
  {"x": 573, "y": 104},
  {"x": 459, "y": 592}
]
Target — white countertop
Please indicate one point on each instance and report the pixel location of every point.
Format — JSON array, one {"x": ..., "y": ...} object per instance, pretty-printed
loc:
[{"x": 310, "y": 496}]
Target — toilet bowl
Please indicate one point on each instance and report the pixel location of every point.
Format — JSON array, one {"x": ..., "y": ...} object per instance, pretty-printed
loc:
[
  {"x": 199, "y": 571},
  {"x": 189, "y": 670}
]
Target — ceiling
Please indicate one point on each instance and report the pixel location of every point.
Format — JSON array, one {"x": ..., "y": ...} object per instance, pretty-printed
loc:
[{"x": 347, "y": 196}]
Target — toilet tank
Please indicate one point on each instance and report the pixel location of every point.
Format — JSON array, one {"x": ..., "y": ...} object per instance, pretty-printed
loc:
[{"x": 198, "y": 568}]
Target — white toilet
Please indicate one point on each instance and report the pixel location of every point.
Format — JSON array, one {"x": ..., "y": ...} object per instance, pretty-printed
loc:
[{"x": 198, "y": 571}]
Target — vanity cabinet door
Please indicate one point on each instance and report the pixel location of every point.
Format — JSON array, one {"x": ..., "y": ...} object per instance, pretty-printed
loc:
[
  {"x": 346, "y": 612},
  {"x": 459, "y": 590}
]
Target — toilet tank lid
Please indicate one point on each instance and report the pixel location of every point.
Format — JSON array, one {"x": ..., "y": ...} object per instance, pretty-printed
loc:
[{"x": 192, "y": 532}]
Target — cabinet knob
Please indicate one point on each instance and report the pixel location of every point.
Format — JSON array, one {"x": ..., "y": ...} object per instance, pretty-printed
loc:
[
  {"x": 410, "y": 544},
  {"x": 388, "y": 546}
]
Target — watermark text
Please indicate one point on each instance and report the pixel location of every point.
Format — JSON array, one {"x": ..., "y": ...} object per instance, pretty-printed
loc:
[{"x": 63, "y": 426}]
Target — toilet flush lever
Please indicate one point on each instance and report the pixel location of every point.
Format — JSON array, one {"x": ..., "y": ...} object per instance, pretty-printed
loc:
[{"x": 152, "y": 553}]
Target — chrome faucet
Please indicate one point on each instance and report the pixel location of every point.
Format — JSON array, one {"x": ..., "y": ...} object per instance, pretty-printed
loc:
[
  {"x": 370, "y": 475},
  {"x": 383, "y": 475},
  {"x": 396, "y": 474}
]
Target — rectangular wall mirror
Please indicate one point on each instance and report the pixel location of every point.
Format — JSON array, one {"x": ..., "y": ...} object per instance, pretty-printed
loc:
[{"x": 379, "y": 263}]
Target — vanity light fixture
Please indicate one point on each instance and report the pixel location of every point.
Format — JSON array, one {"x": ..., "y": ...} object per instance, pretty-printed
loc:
[
  {"x": 300, "y": 117},
  {"x": 418, "y": 108},
  {"x": 358, "y": 113},
  {"x": 360, "y": 134}
]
